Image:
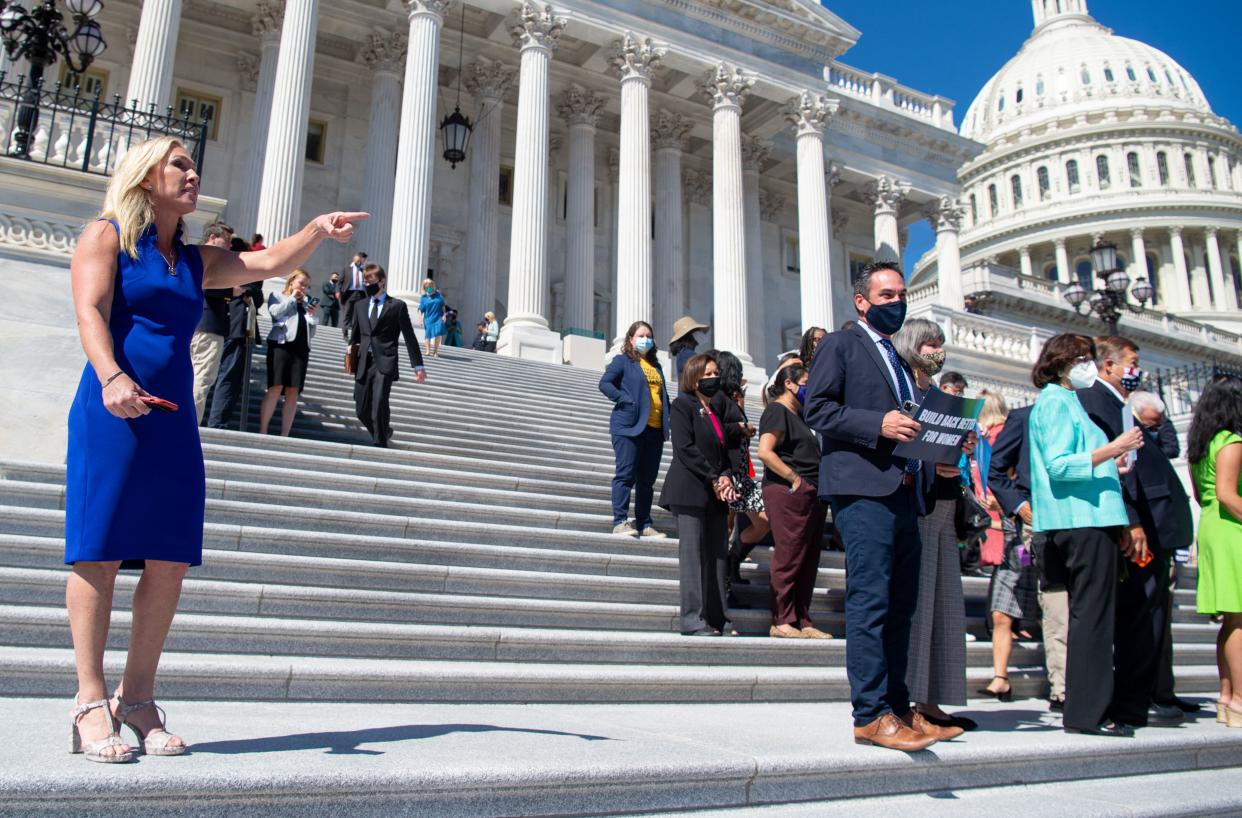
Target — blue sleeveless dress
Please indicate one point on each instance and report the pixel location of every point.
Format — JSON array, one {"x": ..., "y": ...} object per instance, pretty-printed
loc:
[
  {"x": 135, "y": 489},
  {"x": 432, "y": 308}
]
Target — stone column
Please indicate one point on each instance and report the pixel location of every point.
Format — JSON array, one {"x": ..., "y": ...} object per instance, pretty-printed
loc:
[
  {"x": 634, "y": 60},
  {"x": 754, "y": 154},
  {"x": 384, "y": 55},
  {"x": 410, "y": 242},
  {"x": 487, "y": 82},
  {"x": 1138, "y": 253},
  {"x": 1216, "y": 270},
  {"x": 946, "y": 216},
  {"x": 525, "y": 332},
  {"x": 1178, "y": 292},
  {"x": 668, "y": 139},
  {"x": 580, "y": 109},
  {"x": 885, "y": 195},
  {"x": 280, "y": 195},
  {"x": 1200, "y": 290},
  {"x": 1024, "y": 260},
  {"x": 266, "y": 23},
  {"x": 697, "y": 188},
  {"x": 726, "y": 87},
  {"x": 155, "y": 53},
  {"x": 810, "y": 113},
  {"x": 1231, "y": 280},
  {"x": 1064, "y": 274}
]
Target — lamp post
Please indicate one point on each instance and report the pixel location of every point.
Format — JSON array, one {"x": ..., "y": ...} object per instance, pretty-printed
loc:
[
  {"x": 39, "y": 35},
  {"x": 456, "y": 128},
  {"x": 1109, "y": 302}
]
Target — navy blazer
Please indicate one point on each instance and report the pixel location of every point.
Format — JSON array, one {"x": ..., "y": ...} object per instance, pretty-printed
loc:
[
  {"x": 848, "y": 394},
  {"x": 1011, "y": 451},
  {"x": 698, "y": 457},
  {"x": 625, "y": 385}
]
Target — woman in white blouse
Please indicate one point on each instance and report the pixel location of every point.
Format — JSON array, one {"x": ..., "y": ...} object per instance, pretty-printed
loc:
[{"x": 288, "y": 350}]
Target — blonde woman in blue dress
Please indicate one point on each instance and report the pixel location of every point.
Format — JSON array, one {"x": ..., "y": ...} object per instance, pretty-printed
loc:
[
  {"x": 135, "y": 486},
  {"x": 431, "y": 305}
]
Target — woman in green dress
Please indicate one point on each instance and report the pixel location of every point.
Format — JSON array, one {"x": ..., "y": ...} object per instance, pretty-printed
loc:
[{"x": 1215, "y": 455}]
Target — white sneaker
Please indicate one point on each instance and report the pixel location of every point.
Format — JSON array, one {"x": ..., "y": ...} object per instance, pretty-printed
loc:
[
  {"x": 970, "y": 637},
  {"x": 627, "y": 528},
  {"x": 653, "y": 534}
]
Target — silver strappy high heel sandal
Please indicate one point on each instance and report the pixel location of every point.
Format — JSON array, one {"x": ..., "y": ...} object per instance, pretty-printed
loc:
[
  {"x": 95, "y": 750},
  {"x": 156, "y": 741}
]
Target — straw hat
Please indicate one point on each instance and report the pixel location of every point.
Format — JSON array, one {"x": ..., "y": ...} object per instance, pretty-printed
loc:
[{"x": 684, "y": 326}]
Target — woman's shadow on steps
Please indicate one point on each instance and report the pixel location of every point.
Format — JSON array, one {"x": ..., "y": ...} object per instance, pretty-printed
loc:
[{"x": 346, "y": 742}]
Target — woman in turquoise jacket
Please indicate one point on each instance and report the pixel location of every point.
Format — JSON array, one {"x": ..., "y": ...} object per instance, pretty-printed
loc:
[{"x": 1076, "y": 502}]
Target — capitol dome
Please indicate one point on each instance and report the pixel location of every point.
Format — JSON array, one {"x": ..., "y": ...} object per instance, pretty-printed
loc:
[{"x": 1072, "y": 65}]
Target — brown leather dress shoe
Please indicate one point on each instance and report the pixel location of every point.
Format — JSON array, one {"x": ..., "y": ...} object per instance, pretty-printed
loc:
[
  {"x": 888, "y": 731},
  {"x": 916, "y": 722}
]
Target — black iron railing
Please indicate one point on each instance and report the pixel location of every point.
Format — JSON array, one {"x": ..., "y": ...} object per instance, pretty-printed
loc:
[
  {"x": 64, "y": 127},
  {"x": 1181, "y": 387}
]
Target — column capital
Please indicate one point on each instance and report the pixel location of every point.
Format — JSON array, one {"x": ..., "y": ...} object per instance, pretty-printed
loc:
[
  {"x": 754, "y": 152},
  {"x": 1136, "y": 233},
  {"x": 886, "y": 194},
  {"x": 697, "y": 186},
  {"x": 839, "y": 220},
  {"x": 1210, "y": 232},
  {"x": 248, "y": 71},
  {"x": 810, "y": 113},
  {"x": 1059, "y": 243},
  {"x": 1175, "y": 231},
  {"x": 433, "y": 8},
  {"x": 945, "y": 214},
  {"x": 384, "y": 53},
  {"x": 771, "y": 205},
  {"x": 267, "y": 19},
  {"x": 634, "y": 58},
  {"x": 580, "y": 106},
  {"x": 1024, "y": 250},
  {"x": 535, "y": 26},
  {"x": 488, "y": 79},
  {"x": 832, "y": 174},
  {"x": 669, "y": 130},
  {"x": 726, "y": 86}
]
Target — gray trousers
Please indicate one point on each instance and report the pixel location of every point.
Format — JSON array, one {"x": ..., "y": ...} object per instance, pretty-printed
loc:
[{"x": 703, "y": 557}]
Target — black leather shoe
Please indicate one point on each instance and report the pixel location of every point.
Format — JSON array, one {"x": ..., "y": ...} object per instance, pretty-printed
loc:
[
  {"x": 1182, "y": 705},
  {"x": 1165, "y": 715},
  {"x": 1106, "y": 728},
  {"x": 1056, "y": 705}
]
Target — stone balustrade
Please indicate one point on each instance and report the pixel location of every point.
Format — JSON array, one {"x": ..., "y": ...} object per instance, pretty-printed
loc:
[{"x": 885, "y": 92}]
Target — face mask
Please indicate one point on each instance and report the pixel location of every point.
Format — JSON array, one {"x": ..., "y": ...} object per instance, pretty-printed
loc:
[
  {"x": 373, "y": 288},
  {"x": 886, "y": 318},
  {"x": 1082, "y": 375},
  {"x": 1131, "y": 379},
  {"x": 429, "y": 290},
  {"x": 709, "y": 386},
  {"x": 801, "y": 394},
  {"x": 643, "y": 345},
  {"x": 933, "y": 362}
]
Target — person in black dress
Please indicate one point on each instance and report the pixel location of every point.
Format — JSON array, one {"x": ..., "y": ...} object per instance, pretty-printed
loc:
[{"x": 288, "y": 350}]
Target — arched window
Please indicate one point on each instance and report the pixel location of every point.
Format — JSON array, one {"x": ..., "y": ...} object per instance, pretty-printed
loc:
[
  {"x": 1162, "y": 168},
  {"x": 1039, "y": 85},
  {"x": 1000, "y": 103},
  {"x": 1108, "y": 74},
  {"x": 1132, "y": 165},
  {"x": 1044, "y": 182},
  {"x": 1130, "y": 75},
  {"x": 1212, "y": 172},
  {"x": 1151, "y": 75},
  {"x": 1085, "y": 76},
  {"x": 993, "y": 202},
  {"x": 1083, "y": 271},
  {"x": 1101, "y": 171},
  {"x": 1189, "y": 161},
  {"x": 1071, "y": 176},
  {"x": 1169, "y": 77},
  {"x": 1050, "y": 272},
  {"x": 974, "y": 210},
  {"x": 1017, "y": 97},
  {"x": 1153, "y": 275},
  {"x": 1015, "y": 185}
]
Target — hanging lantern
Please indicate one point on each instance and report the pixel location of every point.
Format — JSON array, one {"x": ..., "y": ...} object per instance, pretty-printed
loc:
[{"x": 456, "y": 132}]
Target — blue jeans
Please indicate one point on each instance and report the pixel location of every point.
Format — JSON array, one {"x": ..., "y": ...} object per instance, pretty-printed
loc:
[
  {"x": 882, "y": 551},
  {"x": 638, "y": 465}
]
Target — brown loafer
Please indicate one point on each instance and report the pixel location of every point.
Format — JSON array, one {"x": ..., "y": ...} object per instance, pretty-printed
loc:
[
  {"x": 888, "y": 731},
  {"x": 786, "y": 632},
  {"x": 812, "y": 632},
  {"x": 916, "y": 722}
]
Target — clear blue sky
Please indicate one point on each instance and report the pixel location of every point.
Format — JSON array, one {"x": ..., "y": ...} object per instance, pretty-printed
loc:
[{"x": 953, "y": 53}]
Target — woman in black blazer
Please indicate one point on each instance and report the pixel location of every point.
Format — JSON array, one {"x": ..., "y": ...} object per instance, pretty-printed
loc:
[{"x": 697, "y": 488}]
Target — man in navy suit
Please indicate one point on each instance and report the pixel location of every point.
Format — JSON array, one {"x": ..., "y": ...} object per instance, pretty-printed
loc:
[{"x": 855, "y": 395}]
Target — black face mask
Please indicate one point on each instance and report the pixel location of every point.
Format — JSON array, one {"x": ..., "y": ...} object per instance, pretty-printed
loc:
[
  {"x": 373, "y": 289},
  {"x": 709, "y": 386},
  {"x": 886, "y": 319}
]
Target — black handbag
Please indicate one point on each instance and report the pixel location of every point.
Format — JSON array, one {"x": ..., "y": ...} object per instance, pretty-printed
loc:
[{"x": 970, "y": 519}]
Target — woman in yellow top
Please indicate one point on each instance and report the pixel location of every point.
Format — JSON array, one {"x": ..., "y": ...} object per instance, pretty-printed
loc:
[
  {"x": 634, "y": 382},
  {"x": 1214, "y": 450}
]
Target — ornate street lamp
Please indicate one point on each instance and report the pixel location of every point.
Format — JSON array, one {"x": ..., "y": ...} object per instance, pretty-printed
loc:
[
  {"x": 39, "y": 35},
  {"x": 456, "y": 128},
  {"x": 1109, "y": 302}
]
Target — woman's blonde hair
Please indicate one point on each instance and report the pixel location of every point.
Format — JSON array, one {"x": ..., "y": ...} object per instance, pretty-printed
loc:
[
  {"x": 293, "y": 277},
  {"x": 427, "y": 281},
  {"x": 489, "y": 315},
  {"x": 994, "y": 411},
  {"x": 126, "y": 201}
]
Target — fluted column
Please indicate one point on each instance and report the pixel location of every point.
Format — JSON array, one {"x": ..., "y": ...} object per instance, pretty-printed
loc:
[
  {"x": 1138, "y": 256},
  {"x": 410, "y": 240},
  {"x": 1232, "y": 279},
  {"x": 946, "y": 216},
  {"x": 580, "y": 109},
  {"x": 535, "y": 31},
  {"x": 726, "y": 87},
  {"x": 754, "y": 154},
  {"x": 1200, "y": 290},
  {"x": 1178, "y": 289},
  {"x": 1024, "y": 261},
  {"x": 1064, "y": 274},
  {"x": 810, "y": 113},
  {"x": 384, "y": 55},
  {"x": 1216, "y": 270},
  {"x": 280, "y": 196},
  {"x": 266, "y": 24},
  {"x": 885, "y": 195},
  {"x": 668, "y": 138},
  {"x": 697, "y": 188},
  {"x": 155, "y": 53},
  {"x": 487, "y": 82},
  {"x": 634, "y": 60}
]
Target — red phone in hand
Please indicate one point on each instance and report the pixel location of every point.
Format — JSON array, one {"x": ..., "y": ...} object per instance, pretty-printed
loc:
[{"x": 158, "y": 403}]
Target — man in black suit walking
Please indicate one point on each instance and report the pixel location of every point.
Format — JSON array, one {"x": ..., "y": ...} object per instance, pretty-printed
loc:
[
  {"x": 1160, "y": 523},
  {"x": 351, "y": 290},
  {"x": 377, "y": 326},
  {"x": 855, "y": 396},
  {"x": 226, "y": 394}
]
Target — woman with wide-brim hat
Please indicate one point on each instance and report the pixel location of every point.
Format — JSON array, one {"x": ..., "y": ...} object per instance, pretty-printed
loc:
[{"x": 683, "y": 343}]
